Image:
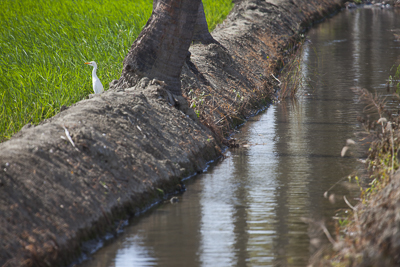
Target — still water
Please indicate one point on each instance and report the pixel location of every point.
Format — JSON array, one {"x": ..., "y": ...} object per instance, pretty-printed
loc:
[{"x": 247, "y": 209}]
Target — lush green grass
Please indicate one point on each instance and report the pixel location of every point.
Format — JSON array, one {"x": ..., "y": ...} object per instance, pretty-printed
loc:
[
  {"x": 44, "y": 43},
  {"x": 216, "y": 11}
]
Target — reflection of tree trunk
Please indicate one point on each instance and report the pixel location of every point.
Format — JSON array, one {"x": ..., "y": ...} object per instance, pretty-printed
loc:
[{"x": 161, "y": 48}]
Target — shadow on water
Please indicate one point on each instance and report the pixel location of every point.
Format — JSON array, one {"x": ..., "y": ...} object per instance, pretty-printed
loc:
[{"x": 247, "y": 210}]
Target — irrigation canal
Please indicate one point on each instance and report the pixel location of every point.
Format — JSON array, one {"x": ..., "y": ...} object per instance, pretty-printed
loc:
[{"x": 247, "y": 210}]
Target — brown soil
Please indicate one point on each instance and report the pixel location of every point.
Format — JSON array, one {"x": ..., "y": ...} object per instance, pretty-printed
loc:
[
  {"x": 372, "y": 236},
  {"x": 377, "y": 241},
  {"x": 130, "y": 147}
]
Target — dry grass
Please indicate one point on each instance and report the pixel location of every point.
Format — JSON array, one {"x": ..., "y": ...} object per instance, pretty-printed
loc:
[
  {"x": 359, "y": 239},
  {"x": 292, "y": 75}
]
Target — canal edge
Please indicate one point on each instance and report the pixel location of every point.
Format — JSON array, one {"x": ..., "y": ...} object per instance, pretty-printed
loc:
[{"x": 61, "y": 181}]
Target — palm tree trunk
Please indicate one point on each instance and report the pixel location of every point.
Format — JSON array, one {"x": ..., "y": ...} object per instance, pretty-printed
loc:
[{"x": 161, "y": 48}]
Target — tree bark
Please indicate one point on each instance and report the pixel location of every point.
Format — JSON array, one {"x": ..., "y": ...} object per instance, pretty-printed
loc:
[
  {"x": 161, "y": 48},
  {"x": 201, "y": 33}
]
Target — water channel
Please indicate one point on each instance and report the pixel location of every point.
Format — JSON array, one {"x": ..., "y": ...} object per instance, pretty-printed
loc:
[{"x": 246, "y": 210}]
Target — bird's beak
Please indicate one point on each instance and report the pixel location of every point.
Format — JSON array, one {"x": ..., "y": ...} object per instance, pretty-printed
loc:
[{"x": 87, "y": 62}]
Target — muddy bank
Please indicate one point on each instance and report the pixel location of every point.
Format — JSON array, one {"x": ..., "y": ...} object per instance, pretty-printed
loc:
[
  {"x": 375, "y": 234},
  {"x": 125, "y": 148},
  {"x": 371, "y": 234},
  {"x": 77, "y": 174}
]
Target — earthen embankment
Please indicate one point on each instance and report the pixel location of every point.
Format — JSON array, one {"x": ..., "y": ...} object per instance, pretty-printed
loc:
[{"x": 75, "y": 175}]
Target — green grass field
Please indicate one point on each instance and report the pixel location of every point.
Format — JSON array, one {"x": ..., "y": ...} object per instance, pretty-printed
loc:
[{"x": 44, "y": 43}]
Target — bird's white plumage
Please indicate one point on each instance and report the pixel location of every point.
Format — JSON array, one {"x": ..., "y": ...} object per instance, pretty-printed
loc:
[{"x": 97, "y": 86}]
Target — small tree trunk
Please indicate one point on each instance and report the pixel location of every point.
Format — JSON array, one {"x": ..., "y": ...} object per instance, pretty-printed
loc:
[
  {"x": 161, "y": 48},
  {"x": 201, "y": 33}
]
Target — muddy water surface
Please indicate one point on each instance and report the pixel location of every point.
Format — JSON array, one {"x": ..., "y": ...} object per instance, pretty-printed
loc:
[{"x": 247, "y": 209}]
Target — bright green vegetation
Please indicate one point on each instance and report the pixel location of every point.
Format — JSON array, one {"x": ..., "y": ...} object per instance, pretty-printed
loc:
[
  {"x": 395, "y": 79},
  {"x": 216, "y": 11},
  {"x": 44, "y": 43}
]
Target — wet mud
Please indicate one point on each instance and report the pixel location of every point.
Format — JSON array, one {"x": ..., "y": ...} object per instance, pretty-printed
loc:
[{"x": 75, "y": 176}]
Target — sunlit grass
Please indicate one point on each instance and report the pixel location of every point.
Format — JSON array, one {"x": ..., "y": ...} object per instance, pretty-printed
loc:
[
  {"x": 44, "y": 43},
  {"x": 216, "y": 11}
]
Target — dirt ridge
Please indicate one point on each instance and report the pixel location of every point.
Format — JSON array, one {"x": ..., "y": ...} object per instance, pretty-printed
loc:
[{"x": 102, "y": 159}]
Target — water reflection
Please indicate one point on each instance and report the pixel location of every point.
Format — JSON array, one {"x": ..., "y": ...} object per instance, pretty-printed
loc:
[
  {"x": 133, "y": 252},
  {"x": 247, "y": 210},
  {"x": 255, "y": 168},
  {"x": 217, "y": 220}
]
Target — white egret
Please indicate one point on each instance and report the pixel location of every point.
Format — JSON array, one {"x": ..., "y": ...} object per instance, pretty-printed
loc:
[{"x": 97, "y": 86}]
